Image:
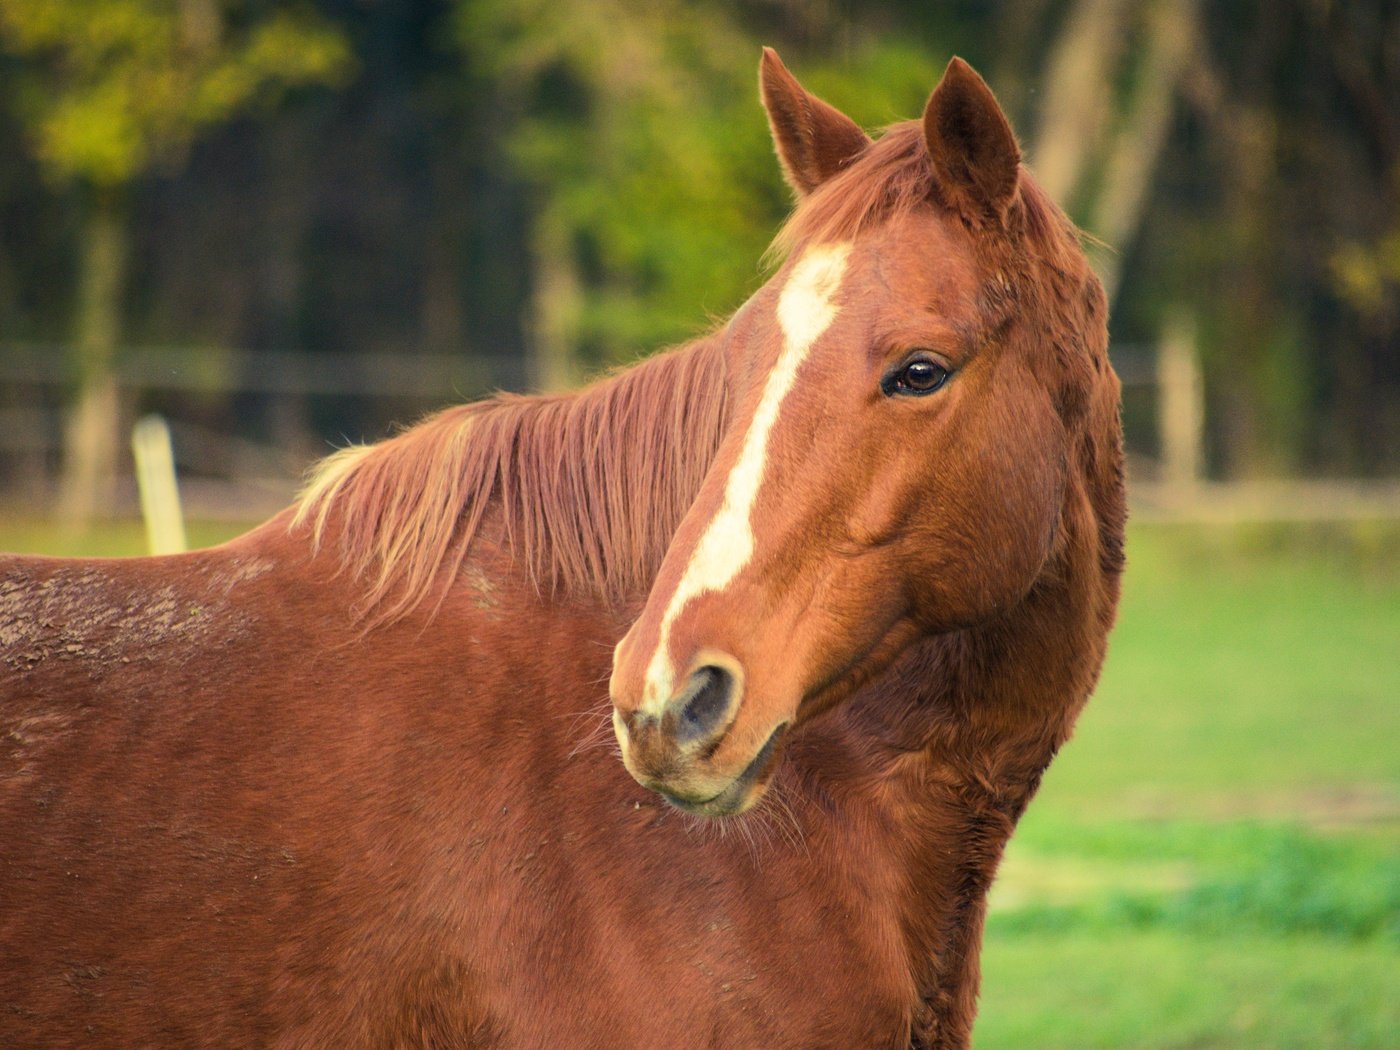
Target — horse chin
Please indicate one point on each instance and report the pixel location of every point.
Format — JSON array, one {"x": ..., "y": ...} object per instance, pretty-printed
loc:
[{"x": 744, "y": 791}]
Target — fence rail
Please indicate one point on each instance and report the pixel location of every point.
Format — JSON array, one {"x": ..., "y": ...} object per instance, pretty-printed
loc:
[
  {"x": 227, "y": 475},
  {"x": 224, "y": 370}
]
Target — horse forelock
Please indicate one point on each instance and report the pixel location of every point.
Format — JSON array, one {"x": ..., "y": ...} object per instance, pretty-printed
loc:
[
  {"x": 1036, "y": 258},
  {"x": 589, "y": 487},
  {"x": 895, "y": 175}
]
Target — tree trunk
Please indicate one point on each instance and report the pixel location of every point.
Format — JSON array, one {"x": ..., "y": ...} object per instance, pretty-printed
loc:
[
  {"x": 287, "y": 209},
  {"x": 1172, "y": 37},
  {"x": 1077, "y": 106},
  {"x": 91, "y": 432}
]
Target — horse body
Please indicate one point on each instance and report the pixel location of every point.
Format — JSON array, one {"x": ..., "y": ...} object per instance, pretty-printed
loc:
[
  {"x": 377, "y": 846},
  {"x": 242, "y": 804}
]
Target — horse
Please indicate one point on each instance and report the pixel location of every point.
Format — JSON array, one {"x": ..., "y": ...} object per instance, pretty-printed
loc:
[{"x": 833, "y": 581}]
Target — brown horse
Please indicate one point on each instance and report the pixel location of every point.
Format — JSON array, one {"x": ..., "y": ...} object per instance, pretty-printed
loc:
[{"x": 346, "y": 780}]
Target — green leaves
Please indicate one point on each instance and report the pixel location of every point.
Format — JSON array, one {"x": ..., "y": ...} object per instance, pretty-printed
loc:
[
  {"x": 113, "y": 88},
  {"x": 639, "y": 131}
]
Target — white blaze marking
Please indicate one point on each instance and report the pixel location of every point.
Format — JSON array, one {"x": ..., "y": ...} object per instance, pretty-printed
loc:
[{"x": 805, "y": 311}]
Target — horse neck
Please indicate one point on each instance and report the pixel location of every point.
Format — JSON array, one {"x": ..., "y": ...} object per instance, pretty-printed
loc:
[{"x": 953, "y": 742}]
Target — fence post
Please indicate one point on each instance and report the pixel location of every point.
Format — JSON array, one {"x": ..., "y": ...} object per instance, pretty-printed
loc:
[
  {"x": 155, "y": 479},
  {"x": 1181, "y": 404}
]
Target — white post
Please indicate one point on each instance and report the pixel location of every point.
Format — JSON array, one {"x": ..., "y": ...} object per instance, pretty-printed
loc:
[
  {"x": 155, "y": 478},
  {"x": 1181, "y": 408}
]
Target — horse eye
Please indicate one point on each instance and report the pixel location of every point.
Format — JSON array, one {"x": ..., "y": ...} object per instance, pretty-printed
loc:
[{"x": 917, "y": 377}]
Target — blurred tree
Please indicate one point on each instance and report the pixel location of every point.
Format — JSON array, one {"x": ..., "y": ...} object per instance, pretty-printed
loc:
[
  {"x": 1282, "y": 174},
  {"x": 654, "y": 186},
  {"x": 112, "y": 89},
  {"x": 1170, "y": 34},
  {"x": 610, "y": 113},
  {"x": 572, "y": 184},
  {"x": 1078, "y": 94}
]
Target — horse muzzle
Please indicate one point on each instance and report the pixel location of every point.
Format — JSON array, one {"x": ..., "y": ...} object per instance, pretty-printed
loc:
[{"x": 690, "y": 749}]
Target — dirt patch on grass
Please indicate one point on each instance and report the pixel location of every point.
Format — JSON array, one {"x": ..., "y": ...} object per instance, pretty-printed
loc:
[{"x": 1345, "y": 807}]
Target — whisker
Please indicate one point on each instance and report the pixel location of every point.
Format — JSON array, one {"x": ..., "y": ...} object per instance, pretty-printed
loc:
[{"x": 784, "y": 817}]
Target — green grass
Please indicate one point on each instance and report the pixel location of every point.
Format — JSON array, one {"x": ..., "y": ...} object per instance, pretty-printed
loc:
[
  {"x": 1167, "y": 989},
  {"x": 1214, "y": 860},
  {"x": 1226, "y": 879},
  {"x": 1239, "y": 669}
]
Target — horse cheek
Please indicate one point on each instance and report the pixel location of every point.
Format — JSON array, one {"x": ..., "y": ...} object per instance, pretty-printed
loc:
[{"x": 969, "y": 564}]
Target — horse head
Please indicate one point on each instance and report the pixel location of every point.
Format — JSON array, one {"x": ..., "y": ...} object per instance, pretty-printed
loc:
[{"x": 908, "y": 400}]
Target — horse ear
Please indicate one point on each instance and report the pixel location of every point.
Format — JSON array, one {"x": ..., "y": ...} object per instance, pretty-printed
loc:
[
  {"x": 970, "y": 140},
  {"x": 814, "y": 140}
]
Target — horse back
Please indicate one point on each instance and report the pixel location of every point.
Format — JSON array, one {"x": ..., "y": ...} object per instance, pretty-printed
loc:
[{"x": 186, "y": 846}]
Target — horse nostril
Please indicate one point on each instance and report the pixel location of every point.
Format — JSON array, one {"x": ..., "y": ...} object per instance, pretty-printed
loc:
[{"x": 707, "y": 703}]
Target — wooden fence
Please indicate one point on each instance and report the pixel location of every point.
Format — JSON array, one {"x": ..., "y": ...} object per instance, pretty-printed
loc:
[{"x": 228, "y": 472}]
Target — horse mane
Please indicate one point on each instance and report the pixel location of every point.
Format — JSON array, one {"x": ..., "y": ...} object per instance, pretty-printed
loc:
[{"x": 589, "y": 486}]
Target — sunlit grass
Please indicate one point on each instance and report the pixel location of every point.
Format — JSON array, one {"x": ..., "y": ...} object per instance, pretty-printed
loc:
[
  {"x": 1162, "y": 988},
  {"x": 1214, "y": 860},
  {"x": 1240, "y": 671}
]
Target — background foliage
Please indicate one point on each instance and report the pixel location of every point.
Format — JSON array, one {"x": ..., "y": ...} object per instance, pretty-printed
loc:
[{"x": 552, "y": 188}]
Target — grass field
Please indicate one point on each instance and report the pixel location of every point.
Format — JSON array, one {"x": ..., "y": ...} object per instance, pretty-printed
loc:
[{"x": 1214, "y": 860}]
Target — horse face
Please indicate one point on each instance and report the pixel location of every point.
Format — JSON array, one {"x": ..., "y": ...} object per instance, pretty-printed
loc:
[{"x": 894, "y": 469}]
